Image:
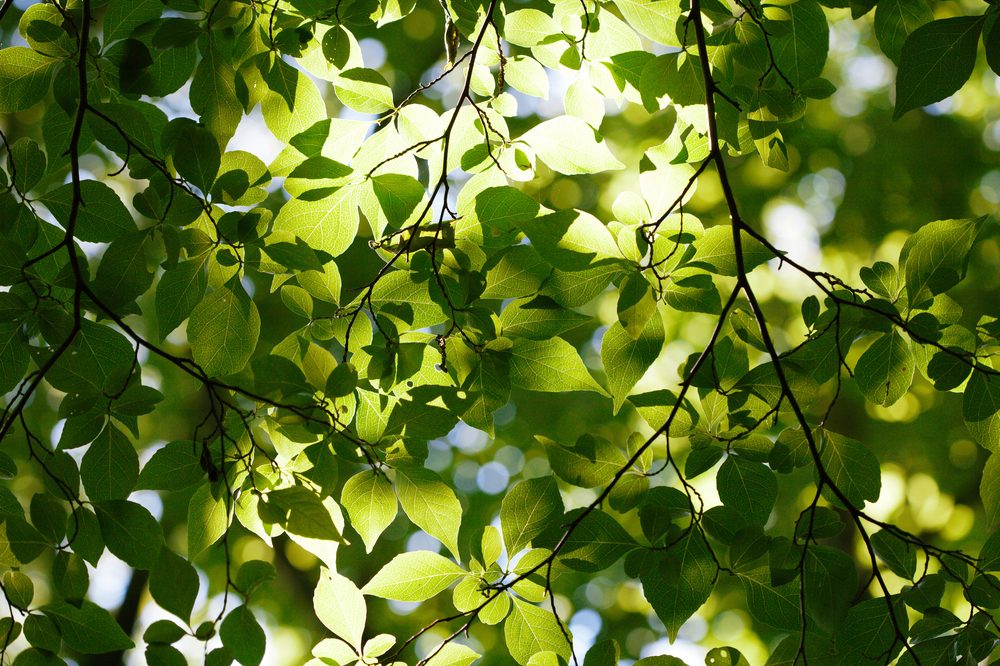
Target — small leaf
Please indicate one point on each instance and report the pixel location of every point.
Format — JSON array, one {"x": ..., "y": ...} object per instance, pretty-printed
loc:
[
  {"x": 626, "y": 358},
  {"x": 172, "y": 467},
  {"x": 852, "y": 467},
  {"x": 680, "y": 581}
]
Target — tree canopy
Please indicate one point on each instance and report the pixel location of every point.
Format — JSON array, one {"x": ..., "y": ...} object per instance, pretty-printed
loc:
[{"x": 586, "y": 332}]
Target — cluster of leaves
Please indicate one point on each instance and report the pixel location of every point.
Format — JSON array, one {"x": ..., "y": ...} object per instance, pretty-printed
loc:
[{"x": 320, "y": 383}]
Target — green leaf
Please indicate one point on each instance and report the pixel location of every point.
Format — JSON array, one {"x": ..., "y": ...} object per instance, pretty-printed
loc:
[
  {"x": 538, "y": 318},
  {"x": 122, "y": 18},
  {"x": 454, "y": 654},
  {"x": 626, "y": 359},
  {"x": 371, "y": 505},
  {"x": 102, "y": 217},
  {"x": 655, "y": 19},
  {"x": 571, "y": 240},
  {"x": 110, "y": 468},
  {"x": 715, "y": 250},
  {"x": 852, "y": 467},
  {"x": 895, "y": 20},
  {"x": 24, "y": 78},
  {"x": 801, "y": 47},
  {"x": 774, "y": 606},
  {"x": 328, "y": 224},
  {"x": 680, "y": 581},
  {"x": 364, "y": 90},
  {"x": 899, "y": 555},
  {"x": 242, "y": 635},
  {"x": 14, "y": 357},
  {"x": 981, "y": 409},
  {"x": 570, "y": 146},
  {"x": 750, "y": 488},
  {"x": 514, "y": 272},
  {"x": 413, "y": 576},
  {"x": 549, "y": 365},
  {"x": 179, "y": 290},
  {"x": 88, "y": 628},
  {"x": 305, "y": 514},
  {"x": 207, "y": 520},
  {"x": 936, "y": 60},
  {"x": 885, "y": 371},
  {"x": 293, "y": 103},
  {"x": 431, "y": 504},
  {"x": 130, "y": 532},
  {"x": 530, "y": 630},
  {"x": 591, "y": 462},
  {"x": 223, "y": 330},
  {"x": 597, "y": 542},
  {"x": 529, "y": 27},
  {"x": 213, "y": 91},
  {"x": 489, "y": 382},
  {"x": 174, "y": 466},
  {"x": 934, "y": 258},
  {"x": 28, "y": 163},
  {"x": 340, "y": 606},
  {"x": 989, "y": 490},
  {"x": 526, "y": 74},
  {"x": 122, "y": 275},
  {"x": 173, "y": 582},
  {"x": 196, "y": 155},
  {"x": 527, "y": 509}
]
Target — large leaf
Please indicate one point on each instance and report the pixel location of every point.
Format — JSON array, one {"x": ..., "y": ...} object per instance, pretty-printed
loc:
[
  {"x": 570, "y": 146},
  {"x": 340, "y": 606},
  {"x": 370, "y": 503},
  {"x": 223, "y": 330},
  {"x": 884, "y": 372},
  {"x": 626, "y": 359},
  {"x": 981, "y": 409},
  {"x": 431, "y": 504},
  {"x": 936, "y": 60},
  {"x": 530, "y": 630},
  {"x": 680, "y": 581},
  {"x": 414, "y": 576},
  {"x": 551, "y": 365},
  {"x": 934, "y": 258},
  {"x": 130, "y": 532},
  {"x": 24, "y": 78},
  {"x": 88, "y": 628},
  {"x": 527, "y": 509},
  {"x": 852, "y": 467}
]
